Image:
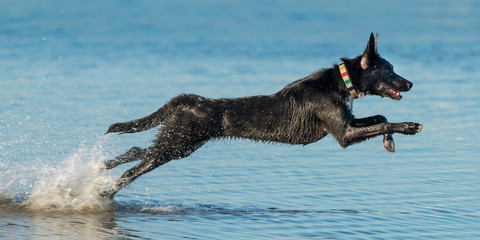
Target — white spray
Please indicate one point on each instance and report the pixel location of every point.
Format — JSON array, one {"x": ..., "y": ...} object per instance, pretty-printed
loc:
[{"x": 73, "y": 185}]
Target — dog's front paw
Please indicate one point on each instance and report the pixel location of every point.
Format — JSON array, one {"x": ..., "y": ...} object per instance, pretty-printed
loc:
[
  {"x": 410, "y": 128},
  {"x": 388, "y": 143}
]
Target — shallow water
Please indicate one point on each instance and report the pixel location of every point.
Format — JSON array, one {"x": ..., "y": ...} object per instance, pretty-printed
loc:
[{"x": 70, "y": 69}]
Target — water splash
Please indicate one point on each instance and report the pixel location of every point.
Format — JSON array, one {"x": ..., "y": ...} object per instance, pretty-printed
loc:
[{"x": 73, "y": 185}]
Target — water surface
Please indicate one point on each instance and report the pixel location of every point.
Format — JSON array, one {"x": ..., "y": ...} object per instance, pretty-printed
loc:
[{"x": 70, "y": 69}]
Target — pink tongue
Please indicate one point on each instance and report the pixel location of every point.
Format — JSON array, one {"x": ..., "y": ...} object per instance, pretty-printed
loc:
[
  {"x": 389, "y": 145},
  {"x": 392, "y": 92}
]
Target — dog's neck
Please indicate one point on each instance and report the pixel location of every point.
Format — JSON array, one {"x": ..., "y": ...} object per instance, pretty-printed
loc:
[{"x": 347, "y": 80}]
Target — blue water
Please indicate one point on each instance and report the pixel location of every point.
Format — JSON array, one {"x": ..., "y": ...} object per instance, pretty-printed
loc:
[{"x": 69, "y": 69}]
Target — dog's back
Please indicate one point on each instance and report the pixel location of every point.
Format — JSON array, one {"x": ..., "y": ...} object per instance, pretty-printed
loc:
[{"x": 288, "y": 116}]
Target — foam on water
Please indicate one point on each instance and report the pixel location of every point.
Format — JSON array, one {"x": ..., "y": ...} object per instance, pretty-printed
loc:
[{"x": 73, "y": 185}]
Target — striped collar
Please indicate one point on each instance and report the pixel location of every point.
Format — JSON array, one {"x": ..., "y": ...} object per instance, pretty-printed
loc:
[{"x": 347, "y": 81}]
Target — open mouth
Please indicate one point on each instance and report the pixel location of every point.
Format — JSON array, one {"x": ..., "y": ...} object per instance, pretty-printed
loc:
[{"x": 392, "y": 93}]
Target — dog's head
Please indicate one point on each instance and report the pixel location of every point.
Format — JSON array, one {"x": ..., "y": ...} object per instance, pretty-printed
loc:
[{"x": 373, "y": 75}]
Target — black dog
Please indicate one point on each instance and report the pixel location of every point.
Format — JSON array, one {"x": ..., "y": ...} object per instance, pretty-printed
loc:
[{"x": 303, "y": 112}]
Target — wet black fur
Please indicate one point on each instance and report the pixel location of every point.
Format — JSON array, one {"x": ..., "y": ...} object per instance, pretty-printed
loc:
[{"x": 303, "y": 112}]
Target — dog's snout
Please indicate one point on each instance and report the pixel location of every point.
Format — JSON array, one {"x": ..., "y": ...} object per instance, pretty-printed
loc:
[
  {"x": 408, "y": 84},
  {"x": 403, "y": 84}
]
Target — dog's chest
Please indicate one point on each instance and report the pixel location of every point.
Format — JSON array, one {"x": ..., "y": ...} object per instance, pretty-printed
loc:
[{"x": 349, "y": 102}]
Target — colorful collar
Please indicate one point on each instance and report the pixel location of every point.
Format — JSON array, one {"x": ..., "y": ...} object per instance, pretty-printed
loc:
[{"x": 348, "y": 82}]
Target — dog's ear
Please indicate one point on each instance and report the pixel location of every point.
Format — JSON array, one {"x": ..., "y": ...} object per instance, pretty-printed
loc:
[{"x": 370, "y": 52}]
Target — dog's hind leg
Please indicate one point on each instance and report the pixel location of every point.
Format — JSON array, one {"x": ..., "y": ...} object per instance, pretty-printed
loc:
[
  {"x": 150, "y": 162},
  {"x": 177, "y": 140},
  {"x": 155, "y": 157},
  {"x": 134, "y": 154}
]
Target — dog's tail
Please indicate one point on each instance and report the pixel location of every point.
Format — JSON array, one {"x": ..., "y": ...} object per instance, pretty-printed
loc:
[
  {"x": 155, "y": 118},
  {"x": 141, "y": 124}
]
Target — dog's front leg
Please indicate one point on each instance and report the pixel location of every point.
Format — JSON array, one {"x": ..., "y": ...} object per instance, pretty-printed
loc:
[
  {"x": 351, "y": 134},
  {"x": 388, "y": 142},
  {"x": 368, "y": 121}
]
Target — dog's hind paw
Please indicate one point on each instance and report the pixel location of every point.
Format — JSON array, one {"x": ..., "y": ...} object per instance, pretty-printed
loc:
[{"x": 108, "y": 195}]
